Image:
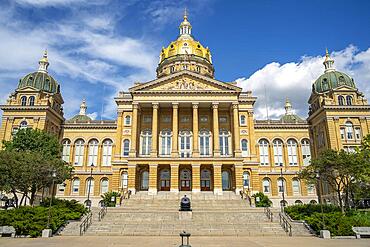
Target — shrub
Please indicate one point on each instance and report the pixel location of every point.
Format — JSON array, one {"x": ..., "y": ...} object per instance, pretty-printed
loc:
[
  {"x": 107, "y": 198},
  {"x": 300, "y": 212},
  {"x": 264, "y": 201}
]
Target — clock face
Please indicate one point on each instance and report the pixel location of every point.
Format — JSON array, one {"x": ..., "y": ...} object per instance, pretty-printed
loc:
[{"x": 186, "y": 49}]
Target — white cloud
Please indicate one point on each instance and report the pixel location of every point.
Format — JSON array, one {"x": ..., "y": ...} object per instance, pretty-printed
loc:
[
  {"x": 294, "y": 80},
  {"x": 46, "y": 3},
  {"x": 93, "y": 115}
]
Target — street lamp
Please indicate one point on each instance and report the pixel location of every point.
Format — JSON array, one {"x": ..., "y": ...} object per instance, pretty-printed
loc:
[
  {"x": 88, "y": 202},
  {"x": 320, "y": 198},
  {"x": 282, "y": 184},
  {"x": 53, "y": 176}
]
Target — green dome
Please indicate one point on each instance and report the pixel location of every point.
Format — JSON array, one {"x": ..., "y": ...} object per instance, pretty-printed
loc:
[
  {"x": 40, "y": 80},
  {"x": 291, "y": 118},
  {"x": 80, "y": 118},
  {"x": 331, "y": 80}
]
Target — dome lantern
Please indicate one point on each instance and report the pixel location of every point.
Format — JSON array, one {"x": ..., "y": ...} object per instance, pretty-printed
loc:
[
  {"x": 44, "y": 63},
  {"x": 83, "y": 108},
  {"x": 328, "y": 63},
  {"x": 185, "y": 26}
]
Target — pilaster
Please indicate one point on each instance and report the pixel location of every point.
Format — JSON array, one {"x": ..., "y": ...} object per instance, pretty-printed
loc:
[
  {"x": 237, "y": 152},
  {"x": 135, "y": 108},
  {"x": 195, "y": 177},
  {"x": 153, "y": 171},
  {"x": 216, "y": 131},
  {"x": 131, "y": 172},
  {"x": 154, "y": 150},
  {"x": 119, "y": 134},
  {"x": 174, "y": 178},
  {"x": 239, "y": 178},
  {"x": 217, "y": 179}
]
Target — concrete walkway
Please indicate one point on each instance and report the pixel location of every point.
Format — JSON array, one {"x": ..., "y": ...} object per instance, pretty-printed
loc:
[{"x": 92, "y": 241}]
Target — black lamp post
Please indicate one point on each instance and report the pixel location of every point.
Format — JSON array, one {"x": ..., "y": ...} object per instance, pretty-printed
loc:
[
  {"x": 88, "y": 190},
  {"x": 282, "y": 191},
  {"x": 53, "y": 175}
]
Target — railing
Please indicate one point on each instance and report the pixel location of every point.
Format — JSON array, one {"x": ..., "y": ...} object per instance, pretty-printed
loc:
[
  {"x": 102, "y": 212},
  {"x": 245, "y": 196},
  {"x": 86, "y": 223},
  {"x": 269, "y": 214},
  {"x": 285, "y": 224}
]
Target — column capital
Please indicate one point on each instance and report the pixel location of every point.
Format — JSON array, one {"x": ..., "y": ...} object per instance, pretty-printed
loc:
[
  {"x": 175, "y": 105},
  {"x": 217, "y": 165},
  {"x": 195, "y": 105},
  {"x": 174, "y": 165},
  {"x": 215, "y": 105},
  {"x": 195, "y": 165},
  {"x": 235, "y": 105},
  {"x": 153, "y": 165},
  {"x": 155, "y": 105},
  {"x": 135, "y": 105}
]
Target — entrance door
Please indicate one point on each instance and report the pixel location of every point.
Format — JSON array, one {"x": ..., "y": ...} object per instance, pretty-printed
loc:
[
  {"x": 205, "y": 180},
  {"x": 144, "y": 185},
  {"x": 226, "y": 181},
  {"x": 164, "y": 180},
  {"x": 185, "y": 180}
]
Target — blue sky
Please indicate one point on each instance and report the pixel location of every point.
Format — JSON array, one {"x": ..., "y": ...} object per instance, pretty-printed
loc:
[{"x": 97, "y": 48}]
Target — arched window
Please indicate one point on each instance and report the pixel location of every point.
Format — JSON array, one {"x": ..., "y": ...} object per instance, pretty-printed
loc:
[
  {"x": 32, "y": 100},
  {"x": 264, "y": 152},
  {"x": 126, "y": 147},
  {"x": 23, "y": 100},
  {"x": 205, "y": 142},
  {"x": 298, "y": 202},
  {"x": 172, "y": 69},
  {"x": 349, "y": 130},
  {"x": 224, "y": 142},
  {"x": 306, "y": 152},
  {"x": 313, "y": 202},
  {"x": 244, "y": 144},
  {"x": 93, "y": 152},
  {"x": 349, "y": 100},
  {"x": 107, "y": 152},
  {"x": 166, "y": 139},
  {"x": 281, "y": 185},
  {"x": 124, "y": 180},
  {"x": 292, "y": 152},
  {"x": 75, "y": 185},
  {"x": 296, "y": 186},
  {"x": 340, "y": 100},
  {"x": 66, "y": 150},
  {"x": 104, "y": 186},
  {"x": 242, "y": 120},
  {"x": 246, "y": 179},
  {"x": 278, "y": 152},
  {"x": 310, "y": 189},
  {"x": 266, "y": 185},
  {"x": 185, "y": 143},
  {"x": 146, "y": 142},
  {"x": 79, "y": 152},
  {"x": 23, "y": 125},
  {"x": 128, "y": 120},
  {"x": 89, "y": 184}
]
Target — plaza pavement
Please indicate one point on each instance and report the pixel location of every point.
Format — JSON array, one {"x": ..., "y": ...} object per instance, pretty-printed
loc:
[{"x": 112, "y": 241}]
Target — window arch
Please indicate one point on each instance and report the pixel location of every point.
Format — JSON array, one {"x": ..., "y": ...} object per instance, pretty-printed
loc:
[
  {"x": 79, "y": 152},
  {"x": 349, "y": 100},
  {"x": 75, "y": 185},
  {"x": 244, "y": 144},
  {"x": 340, "y": 100},
  {"x": 166, "y": 142},
  {"x": 205, "y": 142},
  {"x": 128, "y": 120},
  {"x": 296, "y": 186},
  {"x": 126, "y": 147},
  {"x": 23, "y": 125},
  {"x": 93, "y": 152},
  {"x": 224, "y": 142},
  {"x": 310, "y": 188},
  {"x": 306, "y": 152},
  {"x": 264, "y": 152},
  {"x": 281, "y": 183},
  {"x": 31, "y": 100},
  {"x": 23, "y": 100},
  {"x": 298, "y": 202},
  {"x": 246, "y": 179},
  {"x": 146, "y": 142},
  {"x": 104, "y": 186},
  {"x": 292, "y": 152},
  {"x": 278, "y": 152},
  {"x": 185, "y": 143},
  {"x": 349, "y": 130},
  {"x": 124, "y": 180},
  {"x": 107, "y": 152},
  {"x": 89, "y": 184},
  {"x": 266, "y": 186},
  {"x": 242, "y": 120},
  {"x": 66, "y": 150}
]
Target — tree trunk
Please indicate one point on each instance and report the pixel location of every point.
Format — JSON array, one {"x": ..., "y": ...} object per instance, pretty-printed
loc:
[{"x": 15, "y": 198}]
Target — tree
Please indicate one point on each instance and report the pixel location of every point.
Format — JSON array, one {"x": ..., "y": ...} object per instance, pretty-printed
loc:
[
  {"x": 27, "y": 164},
  {"x": 263, "y": 200}
]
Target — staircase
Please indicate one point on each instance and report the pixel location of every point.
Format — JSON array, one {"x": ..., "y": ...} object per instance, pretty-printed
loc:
[{"x": 212, "y": 215}]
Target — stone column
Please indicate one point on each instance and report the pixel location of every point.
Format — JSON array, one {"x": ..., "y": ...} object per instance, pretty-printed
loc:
[
  {"x": 216, "y": 131},
  {"x": 153, "y": 170},
  {"x": 175, "y": 129},
  {"x": 175, "y": 178},
  {"x": 131, "y": 172},
  {"x": 237, "y": 151},
  {"x": 135, "y": 108},
  {"x": 217, "y": 179},
  {"x": 239, "y": 178},
  {"x": 154, "y": 150},
  {"x": 118, "y": 150},
  {"x": 195, "y": 130},
  {"x": 195, "y": 174}
]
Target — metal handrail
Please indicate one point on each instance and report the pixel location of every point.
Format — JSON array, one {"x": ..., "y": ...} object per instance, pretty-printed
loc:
[
  {"x": 102, "y": 212},
  {"x": 86, "y": 223},
  {"x": 285, "y": 224},
  {"x": 269, "y": 214}
]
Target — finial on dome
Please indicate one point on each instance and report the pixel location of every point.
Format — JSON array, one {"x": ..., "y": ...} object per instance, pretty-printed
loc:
[
  {"x": 44, "y": 62},
  {"x": 83, "y": 108},
  {"x": 185, "y": 14},
  {"x": 328, "y": 62},
  {"x": 185, "y": 26},
  {"x": 288, "y": 107}
]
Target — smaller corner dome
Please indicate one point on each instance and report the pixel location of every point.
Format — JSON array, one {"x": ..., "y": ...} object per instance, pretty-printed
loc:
[
  {"x": 41, "y": 81},
  {"x": 292, "y": 118},
  {"x": 331, "y": 80},
  {"x": 80, "y": 118}
]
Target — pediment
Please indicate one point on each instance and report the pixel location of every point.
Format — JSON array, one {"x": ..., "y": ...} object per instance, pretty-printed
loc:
[
  {"x": 345, "y": 88},
  {"x": 27, "y": 89},
  {"x": 185, "y": 82}
]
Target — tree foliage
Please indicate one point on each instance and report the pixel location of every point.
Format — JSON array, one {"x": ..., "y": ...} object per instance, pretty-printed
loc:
[{"x": 263, "y": 200}]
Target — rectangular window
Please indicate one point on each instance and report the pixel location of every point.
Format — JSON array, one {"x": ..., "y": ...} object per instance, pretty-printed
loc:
[
  {"x": 278, "y": 154},
  {"x": 358, "y": 133},
  {"x": 342, "y": 135}
]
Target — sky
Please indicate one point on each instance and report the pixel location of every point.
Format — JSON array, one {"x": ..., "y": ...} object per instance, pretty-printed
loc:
[{"x": 100, "y": 47}]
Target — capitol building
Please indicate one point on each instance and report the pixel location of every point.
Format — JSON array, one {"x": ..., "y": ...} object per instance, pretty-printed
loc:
[{"x": 187, "y": 131}]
